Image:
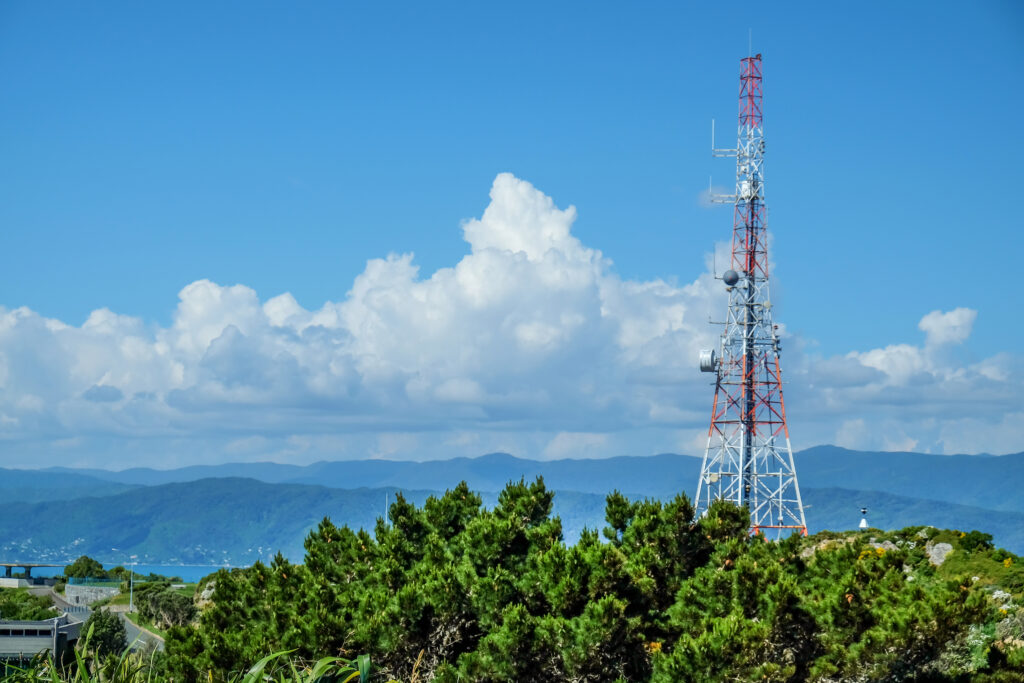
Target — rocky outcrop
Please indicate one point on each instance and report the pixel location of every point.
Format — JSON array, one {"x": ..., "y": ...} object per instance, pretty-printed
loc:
[
  {"x": 937, "y": 552},
  {"x": 204, "y": 597}
]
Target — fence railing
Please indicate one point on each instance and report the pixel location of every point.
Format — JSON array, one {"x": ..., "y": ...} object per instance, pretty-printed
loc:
[{"x": 76, "y": 581}]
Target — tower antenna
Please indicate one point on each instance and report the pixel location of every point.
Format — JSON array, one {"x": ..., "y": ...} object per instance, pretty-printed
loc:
[{"x": 748, "y": 459}]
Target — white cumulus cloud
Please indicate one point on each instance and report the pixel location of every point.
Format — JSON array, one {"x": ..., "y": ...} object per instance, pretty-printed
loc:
[
  {"x": 907, "y": 396},
  {"x": 530, "y": 343},
  {"x": 953, "y": 327}
]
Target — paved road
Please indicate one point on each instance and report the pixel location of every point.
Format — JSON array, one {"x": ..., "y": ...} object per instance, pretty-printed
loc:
[
  {"x": 74, "y": 612},
  {"x": 137, "y": 638}
]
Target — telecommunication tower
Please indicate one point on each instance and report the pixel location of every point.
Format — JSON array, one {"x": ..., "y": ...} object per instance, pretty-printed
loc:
[{"x": 748, "y": 459}]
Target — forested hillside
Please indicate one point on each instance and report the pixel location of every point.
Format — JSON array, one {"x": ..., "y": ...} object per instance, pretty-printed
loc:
[
  {"x": 990, "y": 482},
  {"x": 238, "y": 521},
  {"x": 984, "y": 481},
  {"x": 452, "y": 591},
  {"x": 212, "y": 521},
  {"x": 32, "y": 486}
]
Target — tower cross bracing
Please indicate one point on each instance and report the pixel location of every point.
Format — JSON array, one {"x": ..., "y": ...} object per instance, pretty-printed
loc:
[{"x": 748, "y": 459}]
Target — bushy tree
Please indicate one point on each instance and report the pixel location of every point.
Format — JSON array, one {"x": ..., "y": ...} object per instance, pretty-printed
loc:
[
  {"x": 106, "y": 633},
  {"x": 458, "y": 592},
  {"x": 165, "y": 607},
  {"x": 85, "y": 568},
  {"x": 973, "y": 540},
  {"x": 119, "y": 572},
  {"x": 17, "y": 605},
  {"x": 740, "y": 617}
]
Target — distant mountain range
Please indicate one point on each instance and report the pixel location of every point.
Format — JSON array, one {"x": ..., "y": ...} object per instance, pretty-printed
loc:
[
  {"x": 32, "y": 486},
  {"x": 992, "y": 482},
  {"x": 237, "y": 513},
  {"x": 986, "y": 481}
]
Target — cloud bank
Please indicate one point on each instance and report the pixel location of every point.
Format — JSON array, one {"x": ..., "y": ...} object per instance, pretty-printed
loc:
[{"x": 531, "y": 343}]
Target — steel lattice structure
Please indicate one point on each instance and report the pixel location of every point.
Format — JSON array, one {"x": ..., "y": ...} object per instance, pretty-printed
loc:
[{"x": 748, "y": 459}]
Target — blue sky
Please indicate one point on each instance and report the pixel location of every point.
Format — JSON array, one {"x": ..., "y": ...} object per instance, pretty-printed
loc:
[{"x": 281, "y": 148}]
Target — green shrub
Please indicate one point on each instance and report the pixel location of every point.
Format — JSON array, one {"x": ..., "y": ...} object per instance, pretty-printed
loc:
[
  {"x": 459, "y": 592},
  {"x": 105, "y": 633},
  {"x": 85, "y": 568},
  {"x": 19, "y": 604},
  {"x": 975, "y": 540}
]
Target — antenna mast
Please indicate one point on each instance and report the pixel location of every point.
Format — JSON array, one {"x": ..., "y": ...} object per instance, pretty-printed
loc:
[{"x": 748, "y": 459}]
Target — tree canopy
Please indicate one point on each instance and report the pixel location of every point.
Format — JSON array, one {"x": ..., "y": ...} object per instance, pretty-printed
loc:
[
  {"x": 17, "y": 604},
  {"x": 453, "y": 591},
  {"x": 106, "y": 633},
  {"x": 85, "y": 568}
]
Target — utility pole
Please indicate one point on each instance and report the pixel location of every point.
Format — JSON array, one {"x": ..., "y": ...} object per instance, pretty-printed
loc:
[
  {"x": 748, "y": 459},
  {"x": 131, "y": 584}
]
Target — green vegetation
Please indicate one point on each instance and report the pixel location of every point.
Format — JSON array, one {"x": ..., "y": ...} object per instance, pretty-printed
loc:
[
  {"x": 124, "y": 598},
  {"x": 161, "y": 607},
  {"x": 107, "y": 634},
  {"x": 92, "y": 661},
  {"x": 453, "y": 591},
  {"x": 120, "y": 573},
  {"x": 19, "y": 604},
  {"x": 244, "y": 520},
  {"x": 153, "y": 576},
  {"x": 994, "y": 567},
  {"x": 145, "y": 624},
  {"x": 133, "y": 667},
  {"x": 85, "y": 568},
  {"x": 37, "y": 486}
]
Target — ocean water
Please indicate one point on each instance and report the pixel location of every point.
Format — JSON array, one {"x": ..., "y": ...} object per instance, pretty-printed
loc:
[{"x": 189, "y": 573}]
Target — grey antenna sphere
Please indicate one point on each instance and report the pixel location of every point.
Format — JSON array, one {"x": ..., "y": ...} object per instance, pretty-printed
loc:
[{"x": 730, "y": 277}]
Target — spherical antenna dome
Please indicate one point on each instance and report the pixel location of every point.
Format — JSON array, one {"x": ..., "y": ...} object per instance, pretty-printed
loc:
[{"x": 730, "y": 277}]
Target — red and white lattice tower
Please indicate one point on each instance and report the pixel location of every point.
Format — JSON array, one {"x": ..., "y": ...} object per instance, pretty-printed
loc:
[{"x": 748, "y": 459}]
